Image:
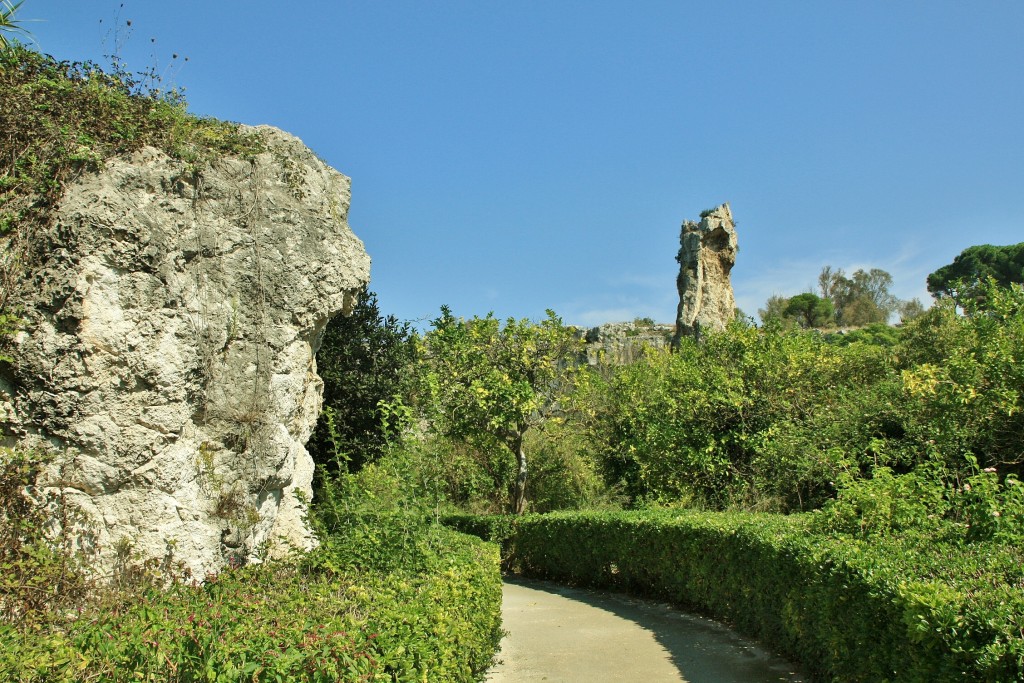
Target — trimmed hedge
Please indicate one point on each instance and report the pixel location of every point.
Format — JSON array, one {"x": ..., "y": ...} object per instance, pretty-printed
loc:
[
  {"x": 435, "y": 619},
  {"x": 889, "y": 609}
]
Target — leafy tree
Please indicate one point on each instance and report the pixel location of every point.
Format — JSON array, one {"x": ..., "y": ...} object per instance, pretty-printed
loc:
[
  {"x": 964, "y": 277},
  {"x": 364, "y": 360},
  {"x": 774, "y": 310},
  {"x": 491, "y": 383},
  {"x": 810, "y": 310},
  {"x": 910, "y": 310},
  {"x": 860, "y": 299},
  {"x": 966, "y": 376}
]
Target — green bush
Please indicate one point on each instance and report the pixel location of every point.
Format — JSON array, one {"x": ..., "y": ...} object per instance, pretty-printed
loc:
[
  {"x": 499, "y": 529},
  {"x": 386, "y": 597},
  {"x": 964, "y": 375},
  {"x": 889, "y": 608},
  {"x": 436, "y": 619},
  {"x": 762, "y": 419},
  {"x": 886, "y": 504}
]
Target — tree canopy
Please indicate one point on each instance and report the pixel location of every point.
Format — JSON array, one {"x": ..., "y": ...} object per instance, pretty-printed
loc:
[
  {"x": 363, "y": 360},
  {"x": 968, "y": 271},
  {"x": 860, "y": 299},
  {"x": 485, "y": 380},
  {"x": 809, "y": 310}
]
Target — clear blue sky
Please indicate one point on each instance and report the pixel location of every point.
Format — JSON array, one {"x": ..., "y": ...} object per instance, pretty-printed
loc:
[{"x": 518, "y": 156}]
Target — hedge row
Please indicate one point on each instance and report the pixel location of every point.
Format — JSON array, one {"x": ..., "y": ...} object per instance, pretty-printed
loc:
[
  {"x": 892, "y": 609},
  {"x": 437, "y": 618}
]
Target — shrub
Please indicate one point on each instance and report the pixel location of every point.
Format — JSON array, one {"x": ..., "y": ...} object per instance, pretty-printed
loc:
[
  {"x": 44, "y": 544},
  {"x": 436, "y": 617},
  {"x": 888, "y": 608},
  {"x": 965, "y": 376},
  {"x": 885, "y": 504},
  {"x": 759, "y": 419},
  {"x": 386, "y": 597}
]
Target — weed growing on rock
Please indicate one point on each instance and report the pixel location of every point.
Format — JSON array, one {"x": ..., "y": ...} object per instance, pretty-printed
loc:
[{"x": 71, "y": 117}]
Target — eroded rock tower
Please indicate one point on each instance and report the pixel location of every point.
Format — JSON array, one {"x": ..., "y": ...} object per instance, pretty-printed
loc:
[{"x": 706, "y": 256}]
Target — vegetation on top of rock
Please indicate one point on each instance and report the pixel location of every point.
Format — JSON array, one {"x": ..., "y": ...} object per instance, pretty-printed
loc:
[
  {"x": 70, "y": 116},
  {"x": 65, "y": 118}
]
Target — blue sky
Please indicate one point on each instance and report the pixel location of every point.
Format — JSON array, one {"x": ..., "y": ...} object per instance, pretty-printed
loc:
[{"x": 519, "y": 156}]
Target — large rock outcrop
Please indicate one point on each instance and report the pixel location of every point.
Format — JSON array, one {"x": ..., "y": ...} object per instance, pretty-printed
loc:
[
  {"x": 167, "y": 356},
  {"x": 624, "y": 343},
  {"x": 706, "y": 256}
]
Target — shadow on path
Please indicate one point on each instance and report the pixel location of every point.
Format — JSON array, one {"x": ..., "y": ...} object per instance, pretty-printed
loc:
[{"x": 557, "y": 633}]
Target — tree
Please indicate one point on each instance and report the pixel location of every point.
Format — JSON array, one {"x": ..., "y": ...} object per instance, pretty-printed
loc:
[
  {"x": 490, "y": 383},
  {"x": 860, "y": 299},
  {"x": 963, "y": 278},
  {"x": 861, "y": 310},
  {"x": 832, "y": 284},
  {"x": 911, "y": 309},
  {"x": 810, "y": 310},
  {"x": 364, "y": 360},
  {"x": 774, "y": 309}
]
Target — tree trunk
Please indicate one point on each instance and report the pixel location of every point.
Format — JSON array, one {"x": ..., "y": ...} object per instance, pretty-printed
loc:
[{"x": 519, "y": 490}]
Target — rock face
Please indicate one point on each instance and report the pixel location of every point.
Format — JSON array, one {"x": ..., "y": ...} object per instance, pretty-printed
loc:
[
  {"x": 168, "y": 351},
  {"x": 706, "y": 256},
  {"x": 622, "y": 343}
]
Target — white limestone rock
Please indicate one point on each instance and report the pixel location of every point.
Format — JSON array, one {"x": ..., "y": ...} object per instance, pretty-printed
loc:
[
  {"x": 624, "y": 343},
  {"x": 706, "y": 256},
  {"x": 168, "y": 351}
]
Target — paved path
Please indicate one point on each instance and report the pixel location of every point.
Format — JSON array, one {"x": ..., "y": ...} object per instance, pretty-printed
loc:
[{"x": 565, "y": 635}]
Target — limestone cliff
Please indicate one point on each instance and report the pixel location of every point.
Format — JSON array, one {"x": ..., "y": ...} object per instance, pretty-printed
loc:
[
  {"x": 706, "y": 256},
  {"x": 622, "y": 343},
  {"x": 167, "y": 356}
]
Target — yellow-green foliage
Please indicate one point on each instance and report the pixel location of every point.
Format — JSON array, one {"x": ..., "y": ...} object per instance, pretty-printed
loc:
[
  {"x": 776, "y": 419},
  {"x": 750, "y": 417}
]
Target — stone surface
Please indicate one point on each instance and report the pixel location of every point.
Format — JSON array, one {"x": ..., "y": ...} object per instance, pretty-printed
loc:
[
  {"x": 622, "y": 343},
  {"x": 557, "y": 633},
  {"x": 168, "y": 351},
  {"x": 706, "y": 256}
]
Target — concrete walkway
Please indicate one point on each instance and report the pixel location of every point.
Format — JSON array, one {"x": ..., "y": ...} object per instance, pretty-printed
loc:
[{"x": 564, "y": 635}]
